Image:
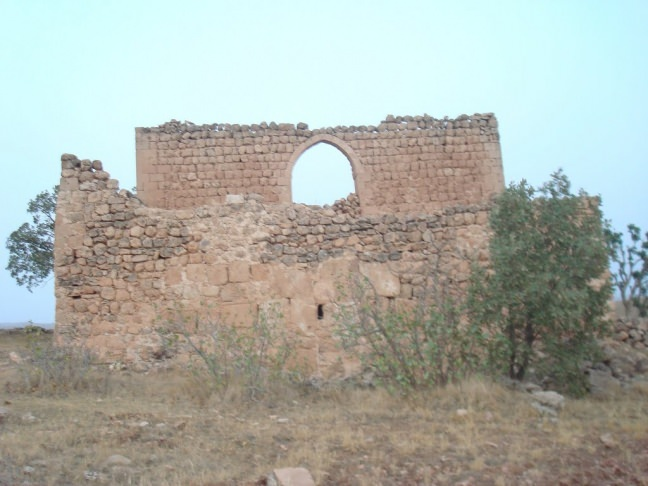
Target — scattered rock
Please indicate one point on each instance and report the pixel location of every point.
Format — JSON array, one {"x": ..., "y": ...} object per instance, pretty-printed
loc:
[
  {"x": 28, "y": 418},
  {"x": 549, "y": 399},
  {"x": 602, "y": 383},
  {"x": 123, "y": 474},
  {"x": 116, "y": 460},
  {"x": 640, "y": 385},
  {"x": 608, "y": 441},
  {"x": 544, "y": 410},
  {"x": 291, "y": 476},
  {"x": 16, "y": 358},
  {"x": 531, "y": 387},
  {"x": 461, "y": 412},
  {"x": 641, "y": 366},
  {"x": 94, "y": 476},
  {"x": 234, "y": 199},
  {"x": 117, "y": 366}
]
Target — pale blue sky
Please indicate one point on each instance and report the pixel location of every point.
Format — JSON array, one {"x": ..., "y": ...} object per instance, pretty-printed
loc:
[{"x": 566, "y": 79}]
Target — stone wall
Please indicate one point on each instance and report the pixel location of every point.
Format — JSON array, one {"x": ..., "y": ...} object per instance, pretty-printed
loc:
[
  {"x": 404, "y": 164},
  {"x": 632, "y": 331},
  {"x": 210, "y": 232}
]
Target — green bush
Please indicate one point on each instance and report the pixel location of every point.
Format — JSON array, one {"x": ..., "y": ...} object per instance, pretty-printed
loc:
[{"x": 544, "y": 296}]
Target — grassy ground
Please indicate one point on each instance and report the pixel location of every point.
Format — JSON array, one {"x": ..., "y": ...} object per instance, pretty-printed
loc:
[{"x": 166, "y": 428}]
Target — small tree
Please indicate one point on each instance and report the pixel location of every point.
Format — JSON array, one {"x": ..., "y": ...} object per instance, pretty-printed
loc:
[
  {"x": 31, "y": 247},
  {"x": 544, "y": 297},
  {"x": 631, "y": 274}
]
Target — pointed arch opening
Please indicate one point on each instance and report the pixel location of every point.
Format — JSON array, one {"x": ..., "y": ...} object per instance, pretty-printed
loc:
[
  {"x": 324, "y": 169},
  {"x": 321, "y": 175}
]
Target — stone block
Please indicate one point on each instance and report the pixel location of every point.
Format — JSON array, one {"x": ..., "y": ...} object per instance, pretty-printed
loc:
[
  {"x": 259, "y": 272},
  {"x": 238, "y": 314},
  {"x": 304, "y": 315},
  {"x": 173, "y": 276},
  {"x": 234, "y": 199},
  {"x": 239, "y": 272},
  {"x": 196, "y": 273},
  {"x": 385, "y": 283},
  {"x": 216, "y": 274},
  {"x": 233, "y": 292},
  {"x": 290, "y": 476},
  {"x": 108, "y": 293},
  {"x": 292, "y": 283}
]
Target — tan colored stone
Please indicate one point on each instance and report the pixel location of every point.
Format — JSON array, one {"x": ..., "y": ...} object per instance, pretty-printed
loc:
[
  {"x": 384, "y": 282},
  {"x": 292, "y": 283},
  {"x": 420, "y": 185},
  {"x": 196, "y": 273},
  {"x": 242, "y": 314},
  {"x": 304, "y": 316},
  {"x": 174, "y": 276},
  {"x": 217, "y": 274},
  {"x": 239, "y": 272},
  {"x": 259, "y": 272},
  {"x": 108, "y": 293},
  {"x": 291, "y": 476},
  {"x": 232, "y": 292}
]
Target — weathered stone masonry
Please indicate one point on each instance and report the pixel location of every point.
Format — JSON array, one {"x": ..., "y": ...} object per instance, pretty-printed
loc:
[
  {"x": 213, "y": 227},
  {"x": 405, "y": 164}
]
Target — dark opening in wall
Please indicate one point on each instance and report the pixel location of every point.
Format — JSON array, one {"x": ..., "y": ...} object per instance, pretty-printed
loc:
[{"x": 320, "y": 312}]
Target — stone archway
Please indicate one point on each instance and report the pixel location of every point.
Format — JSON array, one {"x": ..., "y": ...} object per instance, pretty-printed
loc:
[
  {"x": 357, "y": 170},
  {"x": 321, "y": 176}
]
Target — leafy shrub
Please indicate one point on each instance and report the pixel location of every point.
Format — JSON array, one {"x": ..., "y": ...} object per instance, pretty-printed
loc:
[
  {"x": 544, "y": 296},
  {"x": 257, "y": 357},
  {"x": 430, "y": 344}
]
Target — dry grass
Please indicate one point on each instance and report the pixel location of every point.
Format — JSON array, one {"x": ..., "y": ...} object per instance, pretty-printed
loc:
[{"x": 175, "y": 433}]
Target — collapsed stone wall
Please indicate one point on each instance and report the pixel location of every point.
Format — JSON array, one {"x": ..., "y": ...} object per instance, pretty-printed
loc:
[
  {"x": 120, "y": 265},
  {"x": 403, "y": 165},
  {"x": 632, "y": 331}
]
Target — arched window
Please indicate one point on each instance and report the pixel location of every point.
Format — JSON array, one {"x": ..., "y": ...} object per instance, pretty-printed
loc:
[{"x": 321, "y": 175}]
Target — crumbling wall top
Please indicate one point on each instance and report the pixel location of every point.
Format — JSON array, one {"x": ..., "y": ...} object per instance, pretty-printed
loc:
[{"x": 391, "y": 122}]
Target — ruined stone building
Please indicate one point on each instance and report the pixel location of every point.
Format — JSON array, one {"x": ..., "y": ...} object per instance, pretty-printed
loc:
[{"x": 213, "y": 227}]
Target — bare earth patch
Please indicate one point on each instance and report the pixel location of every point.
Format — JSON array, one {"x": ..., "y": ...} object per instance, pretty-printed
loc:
[{"x": 165, "y": 429}]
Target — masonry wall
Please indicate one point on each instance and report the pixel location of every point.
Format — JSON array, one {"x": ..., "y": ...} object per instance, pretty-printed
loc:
[
  {"x": 120, "y": 265},
  {"x": 402, "y": 165}
]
